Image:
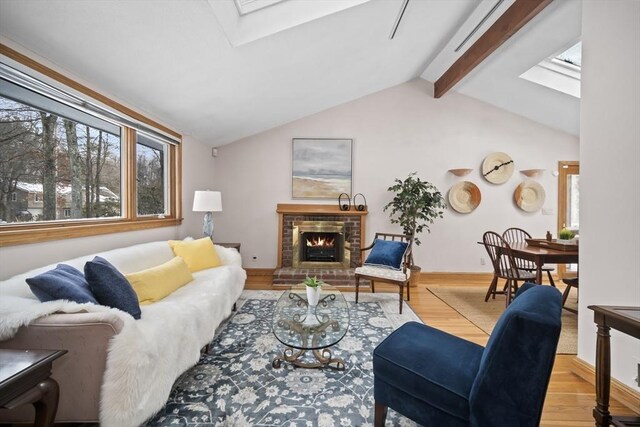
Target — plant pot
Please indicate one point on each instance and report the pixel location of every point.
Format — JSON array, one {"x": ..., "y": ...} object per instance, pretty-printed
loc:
[
  {"x": 414, "y": 279},
  {"x": 313, "y": 295}
]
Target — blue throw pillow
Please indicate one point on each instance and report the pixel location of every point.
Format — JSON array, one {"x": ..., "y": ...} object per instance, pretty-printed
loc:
[
  {"x": 387, "y": 254},
  {"x": 63, "y": 282},
  {"x": 110, "y": 287}
]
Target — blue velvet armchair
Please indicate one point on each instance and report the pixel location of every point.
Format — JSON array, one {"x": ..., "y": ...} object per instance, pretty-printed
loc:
[{"x": 437, "y": 379}]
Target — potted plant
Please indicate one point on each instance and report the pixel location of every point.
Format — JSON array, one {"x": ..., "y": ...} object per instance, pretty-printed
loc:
[
  {"x": 565, "y": 236},
  {"x": 416, "y": 204},
  {"x": 313, "y": 290}
]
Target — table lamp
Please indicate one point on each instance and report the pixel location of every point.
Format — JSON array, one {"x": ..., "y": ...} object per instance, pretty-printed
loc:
[{"x": 207, "y": 201}]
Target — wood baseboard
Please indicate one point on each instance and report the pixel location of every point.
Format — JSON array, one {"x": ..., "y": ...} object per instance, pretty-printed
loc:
[
  {"x": 260, "y": 274},
  {"x": 452, "y": 276},
  {"x": 619, "y": 391}
]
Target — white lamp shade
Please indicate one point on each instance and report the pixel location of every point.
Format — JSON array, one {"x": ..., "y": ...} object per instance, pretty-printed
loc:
[{"x": 207, "y": 201}]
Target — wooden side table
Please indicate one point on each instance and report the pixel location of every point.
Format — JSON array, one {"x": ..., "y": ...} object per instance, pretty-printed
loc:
[
  {"x": 235, "y": 246},
  {"x": 623, "y": 319},
  {"x": 25, "y": 378}
]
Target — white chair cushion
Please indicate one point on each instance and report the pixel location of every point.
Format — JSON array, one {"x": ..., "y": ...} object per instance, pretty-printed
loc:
[{"x": 383, "y": 273}]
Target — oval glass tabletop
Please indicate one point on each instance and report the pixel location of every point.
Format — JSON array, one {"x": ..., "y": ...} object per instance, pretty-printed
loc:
[{"x": 298, "y": 325}]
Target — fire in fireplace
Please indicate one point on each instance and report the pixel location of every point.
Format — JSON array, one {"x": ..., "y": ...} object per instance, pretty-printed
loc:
[
  {"x": 320, "y": 247},
  {"x": 320, "y": 244}
]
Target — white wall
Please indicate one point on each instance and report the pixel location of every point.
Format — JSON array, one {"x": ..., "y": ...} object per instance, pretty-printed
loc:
[
  {"x": 197, "y": 174},
  {"x": 396, "y": 131},
  {"x": 609, "y": 156}
]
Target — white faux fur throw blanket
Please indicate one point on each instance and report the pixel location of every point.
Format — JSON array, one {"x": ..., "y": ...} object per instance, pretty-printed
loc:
[{"x": 147, "y": 356}]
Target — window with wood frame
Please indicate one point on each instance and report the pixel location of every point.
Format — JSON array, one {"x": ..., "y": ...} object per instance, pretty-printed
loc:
[{"x": 78, "y": 165}]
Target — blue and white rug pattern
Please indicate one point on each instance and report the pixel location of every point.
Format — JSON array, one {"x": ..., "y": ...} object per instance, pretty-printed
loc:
[{"x": 235, "y": 384}]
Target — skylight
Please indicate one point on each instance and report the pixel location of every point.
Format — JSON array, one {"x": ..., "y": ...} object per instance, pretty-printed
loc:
[
  {"x": 572, "y": 56},
  {"x": 248, "y": 6},
  {"x": 561, "y": 72}
]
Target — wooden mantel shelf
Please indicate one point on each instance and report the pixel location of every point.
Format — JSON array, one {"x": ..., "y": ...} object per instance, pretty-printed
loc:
[{"x": 284, "y": 208}]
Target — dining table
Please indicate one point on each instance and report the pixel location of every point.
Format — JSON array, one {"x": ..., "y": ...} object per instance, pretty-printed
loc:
[{"x": 541, "y": 256}]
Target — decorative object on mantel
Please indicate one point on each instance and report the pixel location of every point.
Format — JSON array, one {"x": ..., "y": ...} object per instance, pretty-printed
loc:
[
  {"x": 529, "y": 196},
  {"x": 207, "y": 201},
  {"x": 362, "y": 206},
  {"x": 464, "y": 197},
  {"x": 342, "y": 205},
  {"x": 497, "y": 168},
  {"x": 321, "y": 168},
  {"x": 531, "y": 173},
  {"x": 461, "y": 171}
]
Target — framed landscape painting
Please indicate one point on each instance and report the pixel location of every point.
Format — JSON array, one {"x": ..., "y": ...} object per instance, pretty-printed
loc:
[{"x": 321, "y": 168}]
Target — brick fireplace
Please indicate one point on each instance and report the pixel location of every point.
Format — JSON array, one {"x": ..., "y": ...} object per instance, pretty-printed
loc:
[{"x": 318, "y": 240}]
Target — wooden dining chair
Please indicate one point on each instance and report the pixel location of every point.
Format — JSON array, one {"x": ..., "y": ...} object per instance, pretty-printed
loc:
[
  {"x": 518, "y": 235},
  {"x": 504, "y": 267},
  {"x": 571, "y": 282},
  {"x": 375, "y": 273}
]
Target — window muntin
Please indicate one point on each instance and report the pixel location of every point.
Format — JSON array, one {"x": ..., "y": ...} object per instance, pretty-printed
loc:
[
  {"x": 57, "y": 163},
  {"x": 151, "y": 176}
]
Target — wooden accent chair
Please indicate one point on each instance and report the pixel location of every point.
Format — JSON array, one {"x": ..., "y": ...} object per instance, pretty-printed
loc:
[
  {"x": 518, "y": 235},
  {"x": 388, "y": 275},
  {"x": 438, "y": 379},
  {"x": 571, "y": 282},
  {"x": 504, "y": 267}
]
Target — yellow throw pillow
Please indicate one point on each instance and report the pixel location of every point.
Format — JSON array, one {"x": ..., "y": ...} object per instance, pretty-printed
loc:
[
  {"x": 198, "y": 254},
  {"x": 155, "y": 283}
]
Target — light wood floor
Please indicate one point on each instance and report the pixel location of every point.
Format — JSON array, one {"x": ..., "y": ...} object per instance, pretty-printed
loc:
[{"x": 570, "y": 399}]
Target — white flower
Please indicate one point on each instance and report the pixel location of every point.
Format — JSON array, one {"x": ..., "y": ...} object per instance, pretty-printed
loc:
[
  {"x": 379, "y": 322},
  {"x": 253, "y": 378},
  {"x": 200, "y": 377},
  {"x": 340, "y": 401},
  {"x": 258, "y": 363},
  {"x": 325, "y": 420},
  {"x": 265, "y": 344},
  {"x": 271, "y": 391},
  {"x": 223, "y": 390},
  {"x": 243, "y": 318},
  {"x": 350, "y": 344},
  {"x": 227, "y": 342},
  {"x": 345, "y": 422},
  {"x": 245, "y": 395},
  {"x": 237, "y": 419},
  {"x": 236, "y": 367},
  {"x": 367, "y": 366},
  {"x": 306, "y": 382},
  {"x": 358, "y": 381}
]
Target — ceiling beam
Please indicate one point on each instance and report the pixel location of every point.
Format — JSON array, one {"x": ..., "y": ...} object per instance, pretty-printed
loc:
[{"x": 514, "y": 18}]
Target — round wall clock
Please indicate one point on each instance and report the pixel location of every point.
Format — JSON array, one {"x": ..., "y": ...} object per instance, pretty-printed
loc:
[
  {"x": 529, "y": 196},
  {"x": 464, "y": 197},
  {"x": 497, "y": 168}
]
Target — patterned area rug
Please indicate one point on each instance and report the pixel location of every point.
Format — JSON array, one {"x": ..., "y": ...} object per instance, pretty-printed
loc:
[
  {"x": 235, "y": 385},
  {"x": 469, "y": 302}
]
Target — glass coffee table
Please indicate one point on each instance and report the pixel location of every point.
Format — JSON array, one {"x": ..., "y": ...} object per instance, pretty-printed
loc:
[{"x": 302, "y": 327}]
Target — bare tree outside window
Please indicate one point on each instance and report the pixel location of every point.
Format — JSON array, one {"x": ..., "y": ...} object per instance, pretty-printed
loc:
[
  {"x": 58, "y": 168},
  {"x": 150, "y": 167}
]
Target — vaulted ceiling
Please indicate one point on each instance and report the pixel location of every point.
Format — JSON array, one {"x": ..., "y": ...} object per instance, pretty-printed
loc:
[{"x": 179, "y": 62}]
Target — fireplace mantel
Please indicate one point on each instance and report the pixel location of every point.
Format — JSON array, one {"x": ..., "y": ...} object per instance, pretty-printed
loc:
[
  {"x": 290, "y": 212},
  {"x": 305, "y": 209}
]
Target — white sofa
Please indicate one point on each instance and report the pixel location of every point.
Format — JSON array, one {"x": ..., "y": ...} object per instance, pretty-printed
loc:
[{"x": 119, "y": 371}]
